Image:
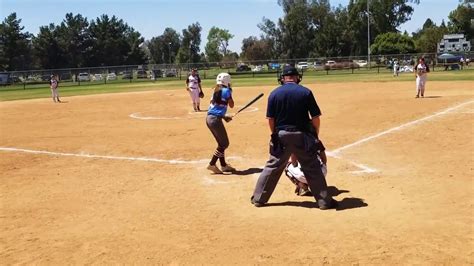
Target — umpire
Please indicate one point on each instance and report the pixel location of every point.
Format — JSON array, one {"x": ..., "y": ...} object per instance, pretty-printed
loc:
[{"x": 288, "y": 112}]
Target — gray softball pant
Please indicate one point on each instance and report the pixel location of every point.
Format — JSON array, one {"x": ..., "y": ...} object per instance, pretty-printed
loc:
[
  {"x": 215, "y": 125},
  {"x": 304, "y": 147}
]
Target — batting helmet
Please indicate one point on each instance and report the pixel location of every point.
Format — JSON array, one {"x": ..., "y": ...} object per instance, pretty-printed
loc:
[{"x": 223, "y": 79}]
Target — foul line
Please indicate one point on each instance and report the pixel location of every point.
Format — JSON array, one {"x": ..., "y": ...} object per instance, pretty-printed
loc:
[
  {"x": 338, "y": 150},
  {"x": 95, "y": 156}
]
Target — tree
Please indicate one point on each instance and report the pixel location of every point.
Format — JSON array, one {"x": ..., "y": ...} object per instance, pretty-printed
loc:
[
  {"x": 15, "y": 45},
  {"x": 428, "y": 24},
  {"x": 461, "y": 20},
  {"x": 385, "y": 16},
  {"x": 297, "y": 28},
  {"x": 191, "y": 40},
  {"x": 428, "y": 41},
  {"x": 135, "y": 54},
  {"x": 47, "y": 50},
  {"x": 114, "y": 43},
  {"x": 217, "y": 43},
  {"x": 331, "y": 34},
  {"x": 254, "y": 49},
  {"x": 427, "y": 38},
  {"x": 271, "y": 35},
  {"x": 155, "y": 48},
  {"x": 74, "y": 38},
  {"x": 163, "y": 48},
  {"x": 393, "y": 43}
]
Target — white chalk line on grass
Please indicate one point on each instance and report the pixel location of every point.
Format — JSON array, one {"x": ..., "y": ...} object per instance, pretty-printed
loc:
[{"x": 400, "y": 127}]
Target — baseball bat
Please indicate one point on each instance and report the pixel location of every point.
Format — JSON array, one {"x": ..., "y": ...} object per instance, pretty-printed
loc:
[{"x": 250, "y": 103}]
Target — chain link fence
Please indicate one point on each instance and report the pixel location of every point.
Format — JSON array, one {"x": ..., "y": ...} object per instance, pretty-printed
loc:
[{"x": 238, "y": 69}]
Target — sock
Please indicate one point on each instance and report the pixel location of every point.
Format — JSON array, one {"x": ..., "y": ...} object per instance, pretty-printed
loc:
[
  {"x": 222, "y": 161},
  {"x": 213, "y": 160}
]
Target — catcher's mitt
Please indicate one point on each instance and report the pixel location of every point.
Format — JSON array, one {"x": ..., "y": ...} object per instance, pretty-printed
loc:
[{"x": 201, "y": 94}]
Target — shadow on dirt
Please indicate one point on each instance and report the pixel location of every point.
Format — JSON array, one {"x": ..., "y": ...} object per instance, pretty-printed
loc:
[
  {"x": 427, "y": 97},
  {"x": 249, "y": 171},
  {"x": 344, "y": 204}
]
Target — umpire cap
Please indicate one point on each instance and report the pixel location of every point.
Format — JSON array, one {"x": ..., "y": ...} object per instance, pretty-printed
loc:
[{"x": 290, "y": 71}]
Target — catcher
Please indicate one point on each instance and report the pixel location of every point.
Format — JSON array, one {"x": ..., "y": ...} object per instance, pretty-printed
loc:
[
  {"x": 295, "y": 174},
  {"x": 193, "y": 86}
]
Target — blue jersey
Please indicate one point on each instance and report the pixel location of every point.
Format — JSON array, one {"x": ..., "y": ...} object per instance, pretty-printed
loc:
[{"x": 219, "y": 102}]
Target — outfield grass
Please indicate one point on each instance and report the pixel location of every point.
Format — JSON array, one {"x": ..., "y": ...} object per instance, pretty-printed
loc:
[{"x": 40, "y": 91}]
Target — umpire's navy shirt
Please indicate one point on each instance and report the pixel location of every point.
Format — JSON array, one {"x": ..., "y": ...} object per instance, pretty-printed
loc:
[{"x": 290, "y": 104}]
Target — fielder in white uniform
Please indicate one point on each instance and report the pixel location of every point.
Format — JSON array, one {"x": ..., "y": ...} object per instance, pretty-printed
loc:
[
  {"x": 396, "y": 69},
  {"x": 193, "y": 86},
  {"x": 53, "y": 84},
  {"x": 420, "y": 72}
]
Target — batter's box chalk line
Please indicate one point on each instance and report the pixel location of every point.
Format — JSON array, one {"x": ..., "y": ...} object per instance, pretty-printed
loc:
[{"x": 193, "y": 115}]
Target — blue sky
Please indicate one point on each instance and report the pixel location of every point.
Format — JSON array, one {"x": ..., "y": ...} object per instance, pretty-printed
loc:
[{"x": 151, "y": 17}]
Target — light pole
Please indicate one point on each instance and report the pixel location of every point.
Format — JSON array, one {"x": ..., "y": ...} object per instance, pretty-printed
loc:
[
  {"x": 169, "y": 51},
  {"x": 368, "y": 34},
  {"x": 190, "y": 54}
]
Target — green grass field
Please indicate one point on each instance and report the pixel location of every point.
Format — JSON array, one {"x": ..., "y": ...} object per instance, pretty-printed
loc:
[{"x": 18, "y": 92}]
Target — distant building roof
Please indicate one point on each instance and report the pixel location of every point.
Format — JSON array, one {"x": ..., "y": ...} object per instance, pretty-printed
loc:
[{"x": 453, "y": 36}]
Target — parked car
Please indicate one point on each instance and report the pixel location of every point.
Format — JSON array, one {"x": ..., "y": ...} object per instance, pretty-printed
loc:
[
  {"x": 97, "y": 77},
  {"x": 242, "y": 68},
  {"x": 273, "y": 66},
  {"x": 330, "y": 63},
  {"x": 170, "y": 73},
  {"x": 361, "y": 63},
  {"x": 141, "y": 74},
  {"x": 127, "y": 75},
  {"x": 302, "y": 65},
  {"x": 83, "y": 77},
  {"x": 257, "y": 68},
  {"x": 111, "y": 76},
  {"x": 317, "y": 63}
]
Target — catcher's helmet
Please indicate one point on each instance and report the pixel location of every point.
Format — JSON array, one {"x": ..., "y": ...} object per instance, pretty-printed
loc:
[{"x": 223, "y": 79}]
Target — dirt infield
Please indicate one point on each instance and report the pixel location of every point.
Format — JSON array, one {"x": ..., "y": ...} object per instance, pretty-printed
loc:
[{"x": 121, "y": 178}]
